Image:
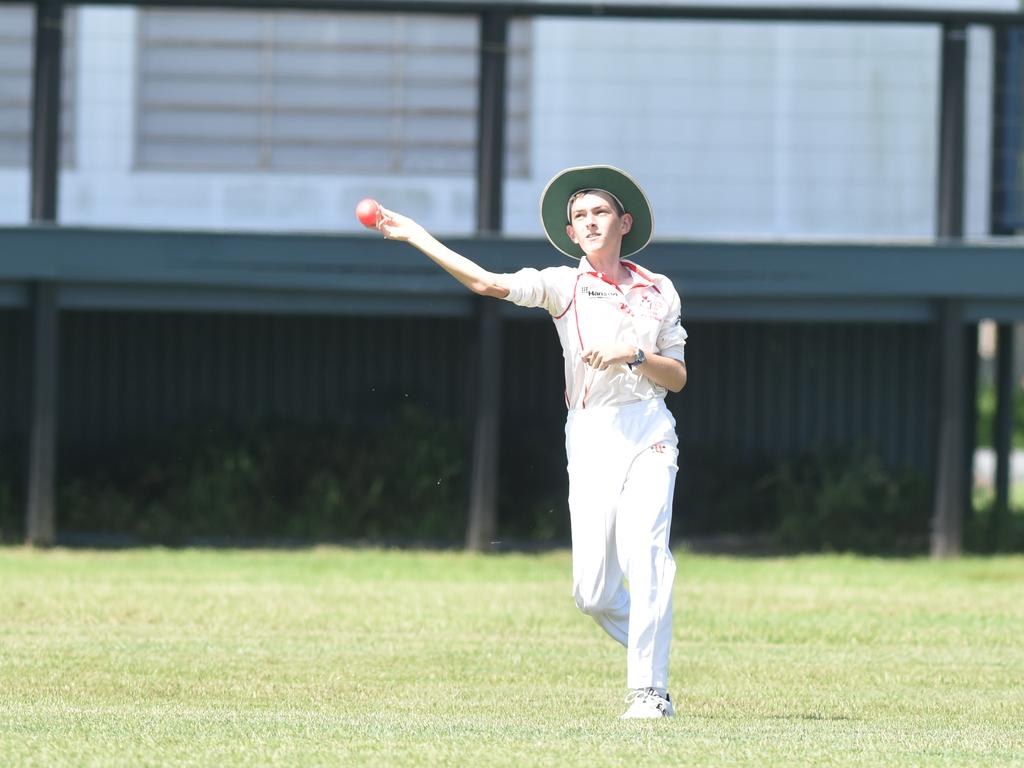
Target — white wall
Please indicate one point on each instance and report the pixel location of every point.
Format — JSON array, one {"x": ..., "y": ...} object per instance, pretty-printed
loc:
[
  {"x": 108, "y": 190},
  {"x": 747, "y": 129},
  {"x": 734, "y": 129},
  {"x": 978, "y": 141}
]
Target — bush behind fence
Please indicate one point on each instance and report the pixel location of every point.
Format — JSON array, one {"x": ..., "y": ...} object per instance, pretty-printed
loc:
[{"x": 406, "y": 482}]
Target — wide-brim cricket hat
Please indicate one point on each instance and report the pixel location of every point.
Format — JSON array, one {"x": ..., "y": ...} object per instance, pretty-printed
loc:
[{"x": 554, "y": 206}]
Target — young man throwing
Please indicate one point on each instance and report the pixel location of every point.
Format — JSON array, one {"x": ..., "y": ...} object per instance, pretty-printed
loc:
[{"x": 622, "y": 341}]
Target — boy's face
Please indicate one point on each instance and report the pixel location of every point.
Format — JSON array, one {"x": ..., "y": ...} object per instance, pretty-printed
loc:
[{"x": 596, "y": 226}]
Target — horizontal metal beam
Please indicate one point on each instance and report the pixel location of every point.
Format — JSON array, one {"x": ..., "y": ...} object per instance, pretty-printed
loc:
[
  {"x": 260, "y": 301},
  {"x": 731, "y": 308},
  {"x": 13, "y": 295},
  {"x": 268, "y": 302},
  {"x": 791, "y": 13},
  {"x": 994, "y": 309},
  {"x": 362, "y": 274},
  {"x": 986, "y": 270},
  {"x": 130, "y": 297}
]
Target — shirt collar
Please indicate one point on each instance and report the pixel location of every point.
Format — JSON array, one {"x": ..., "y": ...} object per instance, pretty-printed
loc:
[
  {"x": 585, "y": 266},
  {"x": 640, "y": 277}
]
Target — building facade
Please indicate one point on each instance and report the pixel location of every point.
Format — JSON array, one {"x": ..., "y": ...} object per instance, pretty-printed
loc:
[{"x": 280, "y": 121}]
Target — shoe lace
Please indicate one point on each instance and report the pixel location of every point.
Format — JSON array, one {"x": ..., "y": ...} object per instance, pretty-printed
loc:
[{"x": 641, "y": 695}]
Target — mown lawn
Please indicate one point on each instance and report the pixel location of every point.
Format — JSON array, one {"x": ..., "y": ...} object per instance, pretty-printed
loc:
[{"x": 355, "y": 657}]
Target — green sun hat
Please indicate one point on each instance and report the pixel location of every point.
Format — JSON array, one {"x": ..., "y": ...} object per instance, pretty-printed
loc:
[{"x": 554, "y": 206}]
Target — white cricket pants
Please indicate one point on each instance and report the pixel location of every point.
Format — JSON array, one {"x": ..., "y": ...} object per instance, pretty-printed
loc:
[{"x": 622, "y": 472}]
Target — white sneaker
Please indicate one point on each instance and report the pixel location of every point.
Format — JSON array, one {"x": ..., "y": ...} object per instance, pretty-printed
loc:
[{"x": 648, "y": 704}]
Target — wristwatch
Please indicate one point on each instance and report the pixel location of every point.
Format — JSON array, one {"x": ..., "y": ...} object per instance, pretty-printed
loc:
[{"x": 641, "y": 358}]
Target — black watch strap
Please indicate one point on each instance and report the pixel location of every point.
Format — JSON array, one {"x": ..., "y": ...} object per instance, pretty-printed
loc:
[{"x": 640, "y": 359}]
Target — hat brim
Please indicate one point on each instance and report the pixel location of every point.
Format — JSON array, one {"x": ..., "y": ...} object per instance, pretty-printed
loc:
[{"x": 555, "y": 198}]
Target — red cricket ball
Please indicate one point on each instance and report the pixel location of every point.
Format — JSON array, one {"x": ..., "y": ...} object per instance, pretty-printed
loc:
[{"x": 367, "y": 211}]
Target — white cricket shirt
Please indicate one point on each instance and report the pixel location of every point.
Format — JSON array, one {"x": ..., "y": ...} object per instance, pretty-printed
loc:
[{"x": 588, "y": 309}]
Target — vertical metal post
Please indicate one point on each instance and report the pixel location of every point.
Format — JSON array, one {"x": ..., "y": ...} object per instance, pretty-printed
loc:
[
  {"x": 1004, "y": 212},
  {"x": 40, "y": 512},
  {"x": 970, "y": 400},
  {"x": 47, "y": 73},
  {"x": 952, "y": 108},
  {"x": 1004, "y": 199},
  {"x": 1003, "y": 432},
  {"x": 490, "y": 159},
  {"x": 483, "y": 495},
  {"x": 948, "y": 511},
  {"x": 40, "y": 517},
  {"x": 483, "y": 486},
  {"x": 948, "y": 492}
]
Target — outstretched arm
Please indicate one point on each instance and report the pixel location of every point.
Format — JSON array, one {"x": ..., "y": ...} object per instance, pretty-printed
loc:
[{"x": 395, "y": 226}]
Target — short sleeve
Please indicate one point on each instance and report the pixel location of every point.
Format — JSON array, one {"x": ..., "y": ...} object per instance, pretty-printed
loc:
[
  {"x": 548, "y": 288},
  {"x": 672, "y": 335}
]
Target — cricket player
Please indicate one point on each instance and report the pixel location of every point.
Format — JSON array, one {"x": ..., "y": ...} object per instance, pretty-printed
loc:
[{"x": 622, "y": 341}]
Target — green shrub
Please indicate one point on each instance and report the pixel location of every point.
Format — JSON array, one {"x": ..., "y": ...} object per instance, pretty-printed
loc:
[
  {"x": 12, "y": 512},
  {"x": 405, "y": 480},
  {"x": 8, "y": 523},
  {"x": 849, "y": 502},
  {"x": 199, "y": 486},
  {"x": 533, "y": 497},
  {"x": 990, "y": 530},
  {"x": 987, "y": 413},
  {"x": 223, "y": 492},
  {"x": 96, "y": 506},
  {"x": 718, "y": 493}
]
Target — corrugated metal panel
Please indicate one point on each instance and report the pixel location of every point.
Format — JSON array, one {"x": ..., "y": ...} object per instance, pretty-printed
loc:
[
  {"x": 133, "y": 375},
  {"x": 767, "y": 391},
  {"x": 763, "y": 392},
  {"x": 757, "y": 392},
  {"x": 14, "y": 383},
  {"x": 772, "y": 390}
]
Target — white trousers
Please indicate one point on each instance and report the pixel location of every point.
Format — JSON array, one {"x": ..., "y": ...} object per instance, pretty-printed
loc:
[{"x": 622, "y": 472}]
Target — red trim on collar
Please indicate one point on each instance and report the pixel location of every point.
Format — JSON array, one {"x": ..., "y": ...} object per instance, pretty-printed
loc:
[
  {"x": 641, "y": 273},
  {"x": 637, "y": 271},
  {"x": 605, "y": 279}
]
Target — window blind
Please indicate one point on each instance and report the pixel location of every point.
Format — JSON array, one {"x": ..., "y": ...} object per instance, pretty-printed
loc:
[
  {"x": 17, "y": 41},
  {"x": 310, "y": 92}
]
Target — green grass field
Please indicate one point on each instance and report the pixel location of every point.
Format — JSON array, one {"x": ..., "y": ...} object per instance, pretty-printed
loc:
[{"x": 363, "y": 657}]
